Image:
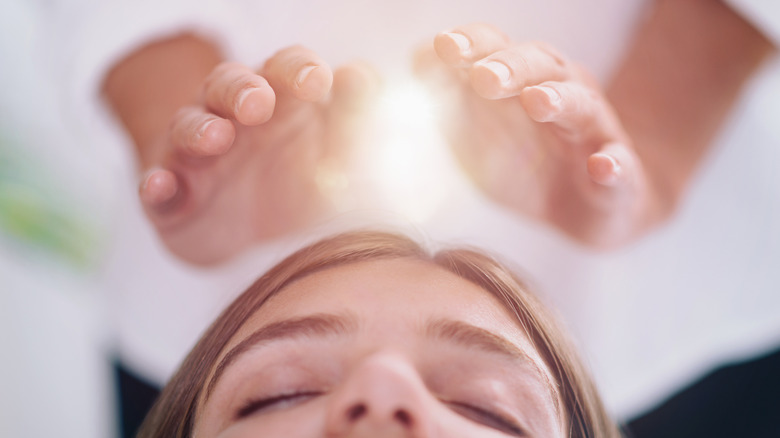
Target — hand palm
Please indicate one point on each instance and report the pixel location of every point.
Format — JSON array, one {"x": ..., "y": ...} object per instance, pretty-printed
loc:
[
  {"x": 535, "y": 133},
  {"x": 263, "y": 187},
  {"x": 533, "y": 167},
  {"x": 248, "y": 182}
]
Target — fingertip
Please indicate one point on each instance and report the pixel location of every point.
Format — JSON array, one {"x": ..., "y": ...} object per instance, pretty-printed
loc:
[
  {"x": 429, "y": 68},
  {"x": 158, "y": 188},
  {"x": 233, "y": 91},
  {"x": 452, "y": 47},
  {"x": 355, "y": 84},
  {"x": 298, "y": 72},
  {"x": 425, "y": 60},
  {"x": 604, "y": 169},
  {"x": 313, "y": 82},
  {"x": 215, "y": 137},
  {"x": 255, "y": 105},
  {"x": 491, "y": 79},
  {"x": 541, "y": 103}
]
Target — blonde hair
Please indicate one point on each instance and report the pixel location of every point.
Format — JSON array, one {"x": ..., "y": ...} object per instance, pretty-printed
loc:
[{"x": 173, "y": 414}]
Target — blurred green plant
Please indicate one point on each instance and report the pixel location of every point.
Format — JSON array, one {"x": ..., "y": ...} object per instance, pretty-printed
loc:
[{"x": 39, "y": 213}]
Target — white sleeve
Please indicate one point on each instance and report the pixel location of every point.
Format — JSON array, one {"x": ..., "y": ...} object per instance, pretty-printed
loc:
[{"x": 763, "y": 14}]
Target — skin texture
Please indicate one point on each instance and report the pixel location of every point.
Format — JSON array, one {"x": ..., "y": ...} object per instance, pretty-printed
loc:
[
  {"x": 382, "y": 373},
  {"x": 231, "y": 155},
  {"x": 536, "y": 133}
]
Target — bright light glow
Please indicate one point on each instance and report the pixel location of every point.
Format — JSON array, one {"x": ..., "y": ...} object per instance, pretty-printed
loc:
[
  {"x": 408, "y": 104},
  {"x": 409, "y": 163}
]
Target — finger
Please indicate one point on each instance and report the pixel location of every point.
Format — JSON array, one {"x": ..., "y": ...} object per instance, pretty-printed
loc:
[
  {"x": 614, "y": 165},
  {"x": 443, "y": 81},
  {"x": 300, "y": 72},
  {"x": 355, "y": 86},
  {"x": 427, "y": 65},
  {"x": 505, "y": 73},
  {"x": 578, "y": 111},
  {"x": 197, "y": 132},
  {"x": 355, "y": 89},
  {"x": 159, "y": 191},
  {"x": 233, "y": 91},
  {"x": 466, "y": 44}
]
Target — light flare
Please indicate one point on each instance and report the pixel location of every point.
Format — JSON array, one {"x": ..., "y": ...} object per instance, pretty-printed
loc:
[{"x": 410, "y": 163}]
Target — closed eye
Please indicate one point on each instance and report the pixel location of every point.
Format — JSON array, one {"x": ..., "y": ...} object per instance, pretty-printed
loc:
[
  {"x": 275, "y": 403},
  {"x": 487, "y": 418}
]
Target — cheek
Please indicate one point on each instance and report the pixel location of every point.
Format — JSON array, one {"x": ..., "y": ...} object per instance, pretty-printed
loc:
[{"x": 306, "y": 421}]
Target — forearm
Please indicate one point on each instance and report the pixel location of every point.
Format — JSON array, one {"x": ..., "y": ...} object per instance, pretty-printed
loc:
[
  {"x": 146, "y": 88},
  {"x": 680, "y": 78}
]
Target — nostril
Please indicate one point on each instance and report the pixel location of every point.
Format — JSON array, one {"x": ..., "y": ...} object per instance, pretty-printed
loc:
[
  {"x": 357, "y": 411},
  {"x": 403, "y": 417}
]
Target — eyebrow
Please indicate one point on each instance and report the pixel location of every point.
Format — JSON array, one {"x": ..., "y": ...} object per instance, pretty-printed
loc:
[
  {"x": 317, "y": 326},
  {"x": 323, "y": 325},
  {"x": 470, "y": 336}
]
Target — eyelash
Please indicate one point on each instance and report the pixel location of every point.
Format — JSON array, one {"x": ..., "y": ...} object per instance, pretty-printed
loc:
[
  {"x": 487, "y": 418},
  {"x": 475, "y": 413},
  {"x": 258, "y": 405}
]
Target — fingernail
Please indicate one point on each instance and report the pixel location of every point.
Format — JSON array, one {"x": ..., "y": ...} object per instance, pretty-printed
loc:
[
  {"x": 146, "y": 177},
  {"x": 553, "y": 97},
  {"x": 205, "y": 125},
  {"x": 463, "y": 43},
  {"x": 502, "y": 72},
  {"x": 616, "y": 169},
  {"x": 303, "y": 74},
  {"x": 609, "y": 172},
  {"x": 162, "y": 190},
  {"x": 242, "y": 97}
]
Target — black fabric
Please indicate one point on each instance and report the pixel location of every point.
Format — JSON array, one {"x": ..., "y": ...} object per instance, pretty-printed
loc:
[
  {"x": 136, "y": 397},
  {"x": 740, "y": 400}
]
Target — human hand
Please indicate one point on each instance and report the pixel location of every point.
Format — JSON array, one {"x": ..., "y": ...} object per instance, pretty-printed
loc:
[
  {"x": 252, "y": 159},
  {"x": 534, "y": 131}
]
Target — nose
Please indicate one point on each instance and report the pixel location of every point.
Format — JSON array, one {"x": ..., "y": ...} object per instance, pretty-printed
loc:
[{"x": 383, "y": 396}]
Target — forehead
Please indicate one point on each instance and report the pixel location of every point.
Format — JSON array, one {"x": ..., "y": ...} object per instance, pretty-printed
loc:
[{"x": 394, "y": 292}]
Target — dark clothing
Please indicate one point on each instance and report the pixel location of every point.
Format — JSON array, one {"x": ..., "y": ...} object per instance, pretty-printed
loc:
[
  {"x": 738, "y": 400},
  {"x": 136, "y": 397}
]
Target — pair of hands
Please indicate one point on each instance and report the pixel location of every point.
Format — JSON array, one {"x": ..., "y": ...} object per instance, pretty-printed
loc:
[{"x": 253, "y": 159}]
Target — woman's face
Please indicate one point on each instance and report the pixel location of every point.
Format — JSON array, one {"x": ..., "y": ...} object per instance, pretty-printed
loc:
[{"x": 389, "y": 348}]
